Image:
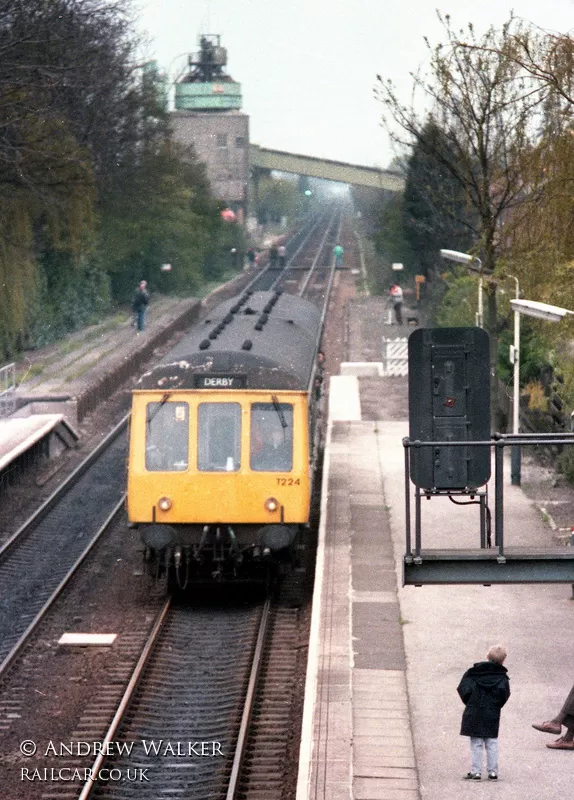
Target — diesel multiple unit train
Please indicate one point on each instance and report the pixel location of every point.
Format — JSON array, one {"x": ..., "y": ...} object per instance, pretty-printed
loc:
[{"x": 223, "y": 442}]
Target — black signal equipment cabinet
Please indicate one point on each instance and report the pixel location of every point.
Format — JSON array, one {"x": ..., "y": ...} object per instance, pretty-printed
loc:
[{"x": 449, "y": 400}]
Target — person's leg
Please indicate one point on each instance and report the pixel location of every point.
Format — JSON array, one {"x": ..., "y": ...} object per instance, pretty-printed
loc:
[
  {"x": 566, "y": 710},
  {"x": 476, "y": 745},
  {"x": 491, "y": 746},
  {"x": 565, "y": 742},
  {"x": 141, "y": 319},
  {"x": 554, "y": 725}
]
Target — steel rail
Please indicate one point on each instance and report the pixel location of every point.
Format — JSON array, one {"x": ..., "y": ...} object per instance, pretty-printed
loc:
[
  {"x": 58, "y": 590},
  {"x": 252, "y": 284},
  {"x": 242, "y": 737},
  {"x": 56, "y": 496},
  {"x": 307, "y": 280},
  {"x": 92, "y": 782}
]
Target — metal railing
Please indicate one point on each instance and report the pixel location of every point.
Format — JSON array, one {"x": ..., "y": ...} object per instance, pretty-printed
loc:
[
  {"x": 7, "y": 389},
  {"x": 498, "y": 442}
]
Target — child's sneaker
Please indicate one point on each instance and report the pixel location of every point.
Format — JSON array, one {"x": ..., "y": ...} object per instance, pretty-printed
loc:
[
  {"x": 472, "y": 776},
  {"x": 492, "y": 776}
]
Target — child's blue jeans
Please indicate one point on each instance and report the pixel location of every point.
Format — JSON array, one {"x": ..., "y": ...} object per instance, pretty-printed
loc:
[{"x": 491, "y": 747}]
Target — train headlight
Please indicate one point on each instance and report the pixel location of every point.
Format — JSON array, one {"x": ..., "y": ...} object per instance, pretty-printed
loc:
[
  {"x": 271, "y": 504},
  {"x": 164, "y": 503}
]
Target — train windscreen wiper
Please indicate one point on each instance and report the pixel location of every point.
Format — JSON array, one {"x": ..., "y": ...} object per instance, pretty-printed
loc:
[
  {"x": 279, "y": 410},
  {"x": 161, "y": 403}
]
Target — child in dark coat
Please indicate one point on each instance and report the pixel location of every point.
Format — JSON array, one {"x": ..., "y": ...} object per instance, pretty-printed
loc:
[{"x": 484, "y": 689}]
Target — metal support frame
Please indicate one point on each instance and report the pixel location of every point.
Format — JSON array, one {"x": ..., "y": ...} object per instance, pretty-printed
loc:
[{"x": 485, "y": 564}]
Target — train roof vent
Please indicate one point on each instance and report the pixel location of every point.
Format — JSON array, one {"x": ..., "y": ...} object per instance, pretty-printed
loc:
[
  {"x": 204, "y": 344},
  {"x": 261, "y": 322},
  {"x": 247, "y": 344},
  {"x": 228, "y": 318},
  {"x": 268, "y": 307},
  {"x": 213, "y": 334},
  {"x": 249, "y": 310}
]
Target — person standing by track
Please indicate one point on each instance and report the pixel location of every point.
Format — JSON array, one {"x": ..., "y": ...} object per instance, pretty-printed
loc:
[
  {"x": 396, "y": 295},
  {"x": 273, "y": 254},
  {"x": 140, "y": 302}
]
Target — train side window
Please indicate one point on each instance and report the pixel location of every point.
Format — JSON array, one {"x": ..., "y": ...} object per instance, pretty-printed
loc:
[
  {"x": 167, "y": 437},
  {"x": 219, "y": 437},
  {"x": 271, "y": 447}
]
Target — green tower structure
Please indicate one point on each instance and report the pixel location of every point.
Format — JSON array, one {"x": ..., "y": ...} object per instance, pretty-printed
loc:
[{"x": 206, "y": 86}]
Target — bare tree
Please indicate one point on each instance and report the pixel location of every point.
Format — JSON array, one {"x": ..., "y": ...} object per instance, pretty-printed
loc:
[{"x": 487, "y": 113}]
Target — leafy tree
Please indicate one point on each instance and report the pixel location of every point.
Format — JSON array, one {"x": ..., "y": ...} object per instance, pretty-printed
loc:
[
  {"x": 391, "y": 239},
  {"x": 458, "y": 306},
  {"x": 436, "y": 212},
  {"x": 165, "y": 215},
  {"x": 93, "y": 196},
  {"x": 47, "y": 164},
  {"x": 277, "y": 198}
]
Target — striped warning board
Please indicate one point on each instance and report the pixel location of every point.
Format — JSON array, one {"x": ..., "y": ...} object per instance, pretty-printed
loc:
[{"x": 395, "y": 356}]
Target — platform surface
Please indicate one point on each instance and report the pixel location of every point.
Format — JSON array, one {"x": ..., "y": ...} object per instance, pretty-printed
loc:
[{"x": 382, "y": 716}]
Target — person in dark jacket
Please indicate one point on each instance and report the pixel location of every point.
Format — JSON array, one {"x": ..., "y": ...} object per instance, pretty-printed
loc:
[
  {"x": 564, "y": 717},
  {"x": 273, "y": 254},
  {"x": 140, "y": 301},
  {"x": 484, "y": 689}
]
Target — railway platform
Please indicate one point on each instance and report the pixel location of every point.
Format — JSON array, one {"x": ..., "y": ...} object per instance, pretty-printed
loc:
[
  {"x": 25, "y": 440},
  {"x": 382, "y": 716},
  {"x": 58, "y": 385}
]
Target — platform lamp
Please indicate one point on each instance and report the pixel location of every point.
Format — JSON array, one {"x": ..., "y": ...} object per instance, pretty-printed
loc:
[
  {"x": 530, "y": 308},
  {"x": 475, "y": 265},
  {"x": 515, "y": 361}
]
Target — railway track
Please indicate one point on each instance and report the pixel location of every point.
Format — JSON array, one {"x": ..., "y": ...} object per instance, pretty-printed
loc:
[
  {"x": 260, "y": 772},
  {"x": 72, "y": 520},
  {"x": 207, "y": 712},
  {"x": 180, "y": 726},
  {"x": 37, "y": 562}
]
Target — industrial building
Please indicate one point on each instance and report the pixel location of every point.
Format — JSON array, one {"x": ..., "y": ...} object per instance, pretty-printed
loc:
[{"x": 208, "y": 116}]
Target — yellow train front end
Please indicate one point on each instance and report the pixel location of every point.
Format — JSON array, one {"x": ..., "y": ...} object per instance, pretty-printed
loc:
[{"x": 219, "y": 481}]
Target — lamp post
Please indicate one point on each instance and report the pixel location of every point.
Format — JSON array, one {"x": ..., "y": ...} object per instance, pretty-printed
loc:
[
  {"x": 475, "y": 264},
  {"x": 530, "y": 308},
  {"x": 515, "y": 361}
]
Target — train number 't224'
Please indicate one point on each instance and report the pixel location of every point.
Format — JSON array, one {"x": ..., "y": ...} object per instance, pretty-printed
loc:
[{"x": 288, "y": 481}]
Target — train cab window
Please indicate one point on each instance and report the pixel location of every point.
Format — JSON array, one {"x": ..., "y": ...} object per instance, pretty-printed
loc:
[
  {"x": 271, "y": 437},
  {"x": 167, "y": 437},
  {"x": 219, "y": 437}
]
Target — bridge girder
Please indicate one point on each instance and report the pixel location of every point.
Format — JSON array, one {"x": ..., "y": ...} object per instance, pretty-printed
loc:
[{"x": 355, "y": 175}]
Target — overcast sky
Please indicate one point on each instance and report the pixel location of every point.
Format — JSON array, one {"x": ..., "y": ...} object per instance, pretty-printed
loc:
[{"x": 308, "y": 67}]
